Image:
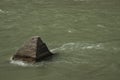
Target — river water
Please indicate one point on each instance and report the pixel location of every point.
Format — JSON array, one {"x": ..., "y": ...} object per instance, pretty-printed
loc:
[{"x": 84, "y": 34}]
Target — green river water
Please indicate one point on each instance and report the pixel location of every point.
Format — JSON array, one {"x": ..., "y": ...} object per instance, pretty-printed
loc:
[{"x": 85, "y": 34}]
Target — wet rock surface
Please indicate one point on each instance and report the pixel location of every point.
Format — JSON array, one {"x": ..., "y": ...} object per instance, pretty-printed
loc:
[{"x": 34, "y": 50}]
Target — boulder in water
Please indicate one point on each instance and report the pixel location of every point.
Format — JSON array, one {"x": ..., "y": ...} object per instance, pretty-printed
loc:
[{"x": 34, "y": 50}]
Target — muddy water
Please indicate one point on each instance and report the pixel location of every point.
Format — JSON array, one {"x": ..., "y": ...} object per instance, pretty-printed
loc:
[{"x": 84, "y": 33}]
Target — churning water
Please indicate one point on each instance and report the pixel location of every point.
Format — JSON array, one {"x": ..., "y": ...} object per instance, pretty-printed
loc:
[{"x": 83, "y": 34}]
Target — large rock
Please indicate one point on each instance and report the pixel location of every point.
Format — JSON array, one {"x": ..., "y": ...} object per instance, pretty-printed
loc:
[{"x": 32, "y": 51}]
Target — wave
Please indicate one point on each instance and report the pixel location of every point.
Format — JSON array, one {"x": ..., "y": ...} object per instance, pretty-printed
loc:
[
  {"x": 21, "y": 63},
  {"x": 2, "y": 11},
  {"x": 78, "y": 45},
  {"x": 72, "y": 46}
]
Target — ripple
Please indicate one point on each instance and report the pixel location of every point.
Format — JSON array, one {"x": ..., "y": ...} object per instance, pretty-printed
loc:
[
  {"x": 2, "y": 11},
  {"x": 101, "y": 26},
  {"x": 23, "y": 64},
  {"x": 78, "y": 45}
]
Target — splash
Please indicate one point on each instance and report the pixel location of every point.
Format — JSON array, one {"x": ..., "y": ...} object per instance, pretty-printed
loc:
[
  {"x": 21, "y": 63},
  {"x": 72, "y": 46}
]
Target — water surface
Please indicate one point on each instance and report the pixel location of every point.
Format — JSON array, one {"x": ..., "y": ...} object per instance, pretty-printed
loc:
[{"x": 85, "y": 33}]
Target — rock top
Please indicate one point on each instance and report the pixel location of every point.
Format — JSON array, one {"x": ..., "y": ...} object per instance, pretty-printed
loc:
[{"x": 34, "y": 50}]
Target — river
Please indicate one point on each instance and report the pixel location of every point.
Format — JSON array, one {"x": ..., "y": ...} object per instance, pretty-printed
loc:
[{"x": 85, "y": 35}]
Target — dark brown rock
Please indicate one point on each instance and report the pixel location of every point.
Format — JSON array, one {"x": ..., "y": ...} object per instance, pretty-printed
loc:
[{"x": 34, "y": 50}]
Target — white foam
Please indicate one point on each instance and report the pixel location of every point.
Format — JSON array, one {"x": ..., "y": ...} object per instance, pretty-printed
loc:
[
  {"x": 2, "y": 11},
  {"x": 64, "y": 47},
  {"x": 69, "y": 31},
  {"x": 93, "y": 46},
  {"x": 18, "y": 63},
  {"x": 55, "y": 49},
  {"x": 77, "y": 45},
  {"x": 21, "y": 63},
  {"x": 72, "y": 46},
  {"x": 101, "y": 26}
]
